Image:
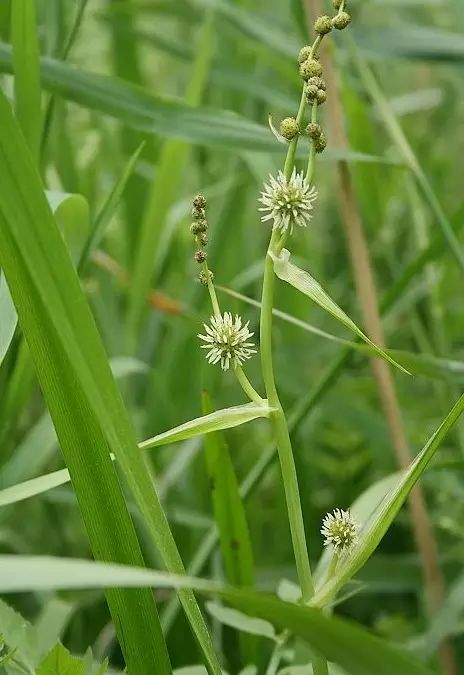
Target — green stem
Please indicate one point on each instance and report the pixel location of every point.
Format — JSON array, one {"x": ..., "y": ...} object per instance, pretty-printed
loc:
[
  {"x": 211, "y": 291},
  {"x": 284, "y": 447},
  {"x": 247, "y": 387},
  {"x": 244, "y": 382},
  {"x": 312, "y": 153},
  {"x": 290, "y": 159}
]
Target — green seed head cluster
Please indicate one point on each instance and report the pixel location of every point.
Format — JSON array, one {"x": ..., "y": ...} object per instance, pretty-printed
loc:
[
  {"x": 323, "y": 25},
  {"x": 205, "y": 277},
  {"x": 310, "y": 68},
  {"x": 315, "y": 90},
  {"x": 289, "y": 128},
  {"x": 305, "y": 53},
  {"x": 199, "y": 229},
  {"x": 337, "y": 3},
  {"x": 316, "y": 134},
  {"x": 341, "y": 20}
]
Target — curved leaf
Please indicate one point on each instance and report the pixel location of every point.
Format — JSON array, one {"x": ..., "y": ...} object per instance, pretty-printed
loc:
[
  {"x": 220, "y": 419},
  {"x": 380, "y": 520},
  {"x": 306, "y": 284}
]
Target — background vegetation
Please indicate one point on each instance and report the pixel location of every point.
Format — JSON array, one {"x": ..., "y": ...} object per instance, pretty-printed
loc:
[{"x": 139, "y": 277}]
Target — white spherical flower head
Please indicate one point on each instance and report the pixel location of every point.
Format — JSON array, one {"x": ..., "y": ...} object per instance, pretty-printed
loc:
[
  {"x": 287, "y": 202},
  {"x": 340, "y": 530},
  {"x": 227, "y": 341}
]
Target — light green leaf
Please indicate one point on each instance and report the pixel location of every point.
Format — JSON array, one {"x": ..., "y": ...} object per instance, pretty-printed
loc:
[
  {"x": 381, "y": 518},
  {"x": 60, "y": 662},
  {"x": 242, "y": 622},
  {"x": 306, "y": 284},
  {"x": 348, "y": 645},
  {"x": 8, "y": 318},
  {"x": 220, "y": 419},
  {"x": 32, "y": 487}
]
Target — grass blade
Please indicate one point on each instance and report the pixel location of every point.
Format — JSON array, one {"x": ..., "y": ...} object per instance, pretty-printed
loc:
[
  {"x": 352, "y": 647},
  {"x": 69, "y": 355},
  {"x": 108, "y": 209},
  {"x": 399, "y": 139}
]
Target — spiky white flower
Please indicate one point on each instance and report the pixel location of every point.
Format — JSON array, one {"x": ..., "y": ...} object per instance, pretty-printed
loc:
[
  {"x": 340, "y": 530},
  {"x": 287, "y": 202},
  {"x": 227, "y": 341}
]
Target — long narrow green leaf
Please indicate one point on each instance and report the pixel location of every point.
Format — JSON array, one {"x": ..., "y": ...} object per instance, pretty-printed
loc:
[
  {"x": 220, "y": 419},
  {"x": 231, "y": 521},
  {"x": 356, "y": 650},
  {"x": 108, "y": 209},
  {"x": 34, "y": 486},
  {"x": 381, "y": 519},
  {"x": 410, "y": 41},
  {"x": 398, "y": 137},
  {"x": 24, "y": 37},
  {"x": 69, "y": 356},
  {"x": 306, "y": 284},
  {"x": 172, "y": 118},
  {"x": 8, "y": 318},
  {"x": 170, "y": 169}
]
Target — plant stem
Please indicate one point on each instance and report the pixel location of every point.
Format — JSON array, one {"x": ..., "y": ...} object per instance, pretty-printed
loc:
[
  {"x": 247, "y": 387},
  {"x": 284, "y": 448},
  {"x": 211, "y": 291},
  {"x": 244, "y": 382},
  {"x": 312, "y": 152}
]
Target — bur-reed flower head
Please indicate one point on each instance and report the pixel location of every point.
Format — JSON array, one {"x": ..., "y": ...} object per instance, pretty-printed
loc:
[
  {"x": 287, "y": 202},
  {"x": 340, "y": 530},
  {"x": 227, "y": 340}
]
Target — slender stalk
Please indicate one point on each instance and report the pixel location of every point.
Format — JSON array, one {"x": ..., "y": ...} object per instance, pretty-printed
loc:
[
  {"x": 284, "y": 447},
  {"x": 312, "y": 152},
  {"x": 247, "y": 387},
  {"x": 242, "y": 379}
]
